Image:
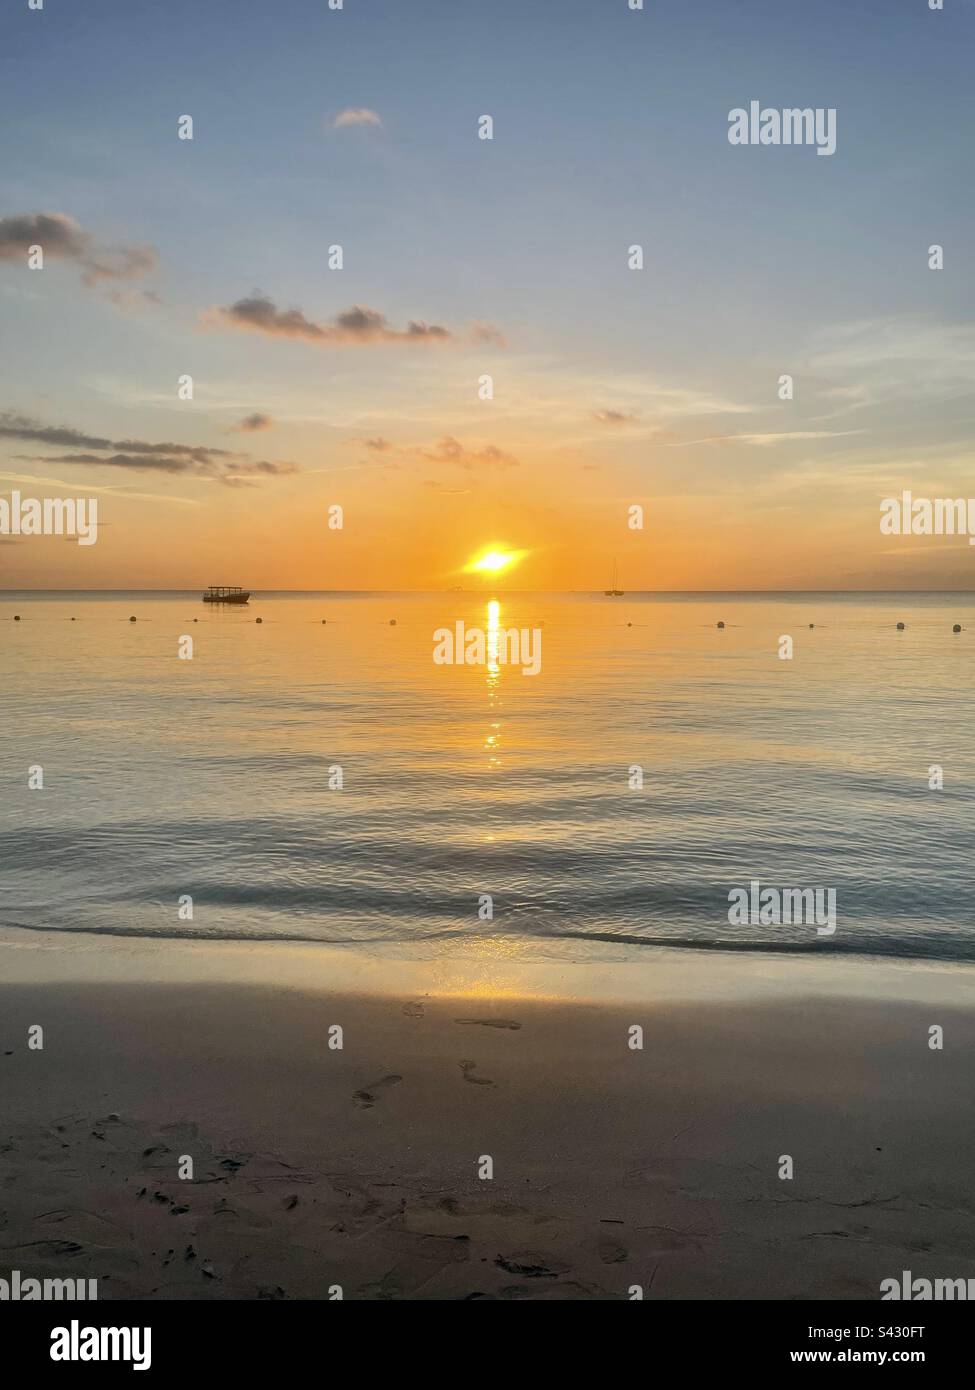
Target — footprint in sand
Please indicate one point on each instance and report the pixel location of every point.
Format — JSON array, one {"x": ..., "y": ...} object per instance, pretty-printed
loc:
[
  {"x": 490, "y": 1022},
  {"x": 226, "y": 1215},
  {"x": 468, "y": 1068},
  {"x": 530, "y": 1265},
  {"x": 611, "y": 1252},
  {"x": 366, "y": 1098}
]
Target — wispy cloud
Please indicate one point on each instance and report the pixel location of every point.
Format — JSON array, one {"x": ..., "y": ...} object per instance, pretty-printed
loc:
[
  {"x": 109, "y": 269},
  {"x": 544, "y": 386},
  {"x": 446, "y": 451},
  {"x": 613, "y": 417},
  {"x": 896, "y": 358},
  {"x": 766, "y": 441},
  {"x": 125, "y": 494},
  {"x": 444, "y": 491},
  {"x": 161, "y": 463},
  {"x": 487, "y": 333},
  {"x": 136, "y": 455},
  {"x": 450, "y": 450}
]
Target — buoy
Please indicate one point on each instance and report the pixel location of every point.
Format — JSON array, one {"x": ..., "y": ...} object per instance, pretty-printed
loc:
[
  {"x": 258, "y": 620},
  {"x": 323, "y": 622},
  {"x": 720, "y": 624},
  {"x": 392, "y": 622},
  {"x": 16, "y": 617},
  {"x": 132, "y": 620},
  {"x": 811, "y": 626},
  {"x": 957, "y": 627},
  {"x": 74, "y": 620},
  {"x": 900, "y": 627}
]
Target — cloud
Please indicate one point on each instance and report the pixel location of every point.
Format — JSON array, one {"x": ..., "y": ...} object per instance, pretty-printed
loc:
[
  {"x": 446, "y": 491},
  {"x": 118, "y": 263},
  {"x": 358, "y": 326},
  {"x": 360, "y": 322},
  {"x": 60, "y": 236},
  {"x": 263, "y": 316},
  {"x": 899, "y": 358},
  {"x": 126, "y": 494},
  {"x": 763, "y": 441},
  {"x": 612, "y": 417},
  {"x": 150, "y": 463},
  {"x": 450, "y": 450},
  {"x": 160, "y": 463},
  {"x": 446, "y": 450},
  {"x": 13, "y": 426},
  {"x": 356, "y": 115},
  {"x": 487, "y": 333},
  {"x": 139, "y": 456},
  {"x": 251, "y": 424},
  {"x": 110, "y": 269}
]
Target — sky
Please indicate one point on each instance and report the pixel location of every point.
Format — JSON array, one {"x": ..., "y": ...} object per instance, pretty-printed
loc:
[{"x": 465, "y": 258}]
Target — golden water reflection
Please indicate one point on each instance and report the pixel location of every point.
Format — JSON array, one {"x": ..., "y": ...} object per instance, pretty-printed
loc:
[
  {"x": 492, "y": 742},
  {"x": 493, "y": 630}
]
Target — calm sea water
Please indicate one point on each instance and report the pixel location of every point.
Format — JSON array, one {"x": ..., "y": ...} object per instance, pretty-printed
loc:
[{"x": 210, "y": 777}]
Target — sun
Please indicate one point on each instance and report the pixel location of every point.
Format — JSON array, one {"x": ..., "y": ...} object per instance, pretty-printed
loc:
[{"x": 493, "y": 561}]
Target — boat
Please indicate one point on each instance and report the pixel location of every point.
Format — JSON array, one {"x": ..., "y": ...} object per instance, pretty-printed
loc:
[
  {"x": 614, "y": 592},
  {"x": 225, "y": 593}
]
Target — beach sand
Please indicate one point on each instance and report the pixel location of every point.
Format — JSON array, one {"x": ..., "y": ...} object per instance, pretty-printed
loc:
[{"x": 358, "y": 1168}]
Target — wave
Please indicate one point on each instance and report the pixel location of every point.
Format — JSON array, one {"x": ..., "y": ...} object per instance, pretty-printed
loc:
[{"x": 926, "y": 949}]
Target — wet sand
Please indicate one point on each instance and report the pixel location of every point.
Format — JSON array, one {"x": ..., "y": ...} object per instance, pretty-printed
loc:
[{"x": 317, "y": 1168}]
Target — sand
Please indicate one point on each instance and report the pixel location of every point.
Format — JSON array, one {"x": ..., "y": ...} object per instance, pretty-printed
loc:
[{"x": 318, "y": 1169}]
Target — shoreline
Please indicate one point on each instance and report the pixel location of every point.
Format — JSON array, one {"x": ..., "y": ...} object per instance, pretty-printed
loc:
[
  {"x": 317, "y": 1166},
  {"x": 504, "y": 966}
]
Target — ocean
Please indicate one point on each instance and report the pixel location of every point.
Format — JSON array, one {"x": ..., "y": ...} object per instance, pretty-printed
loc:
[{"x": 479, "y": 802}]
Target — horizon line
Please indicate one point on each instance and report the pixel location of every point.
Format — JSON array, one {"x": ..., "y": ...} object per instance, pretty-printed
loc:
[{"x": 478, "y": 591}]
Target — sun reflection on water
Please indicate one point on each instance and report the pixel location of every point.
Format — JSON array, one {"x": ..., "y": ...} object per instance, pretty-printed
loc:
[
  {"x": 493, "y": 629},
  {"x": 492, "y": 741}
]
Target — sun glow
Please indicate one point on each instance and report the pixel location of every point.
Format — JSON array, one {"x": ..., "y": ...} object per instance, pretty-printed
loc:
[{"x": 493, "y": 561}]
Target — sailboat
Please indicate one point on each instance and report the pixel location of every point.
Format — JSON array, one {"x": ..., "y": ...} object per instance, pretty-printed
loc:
[{"x": 614, "y": 592}]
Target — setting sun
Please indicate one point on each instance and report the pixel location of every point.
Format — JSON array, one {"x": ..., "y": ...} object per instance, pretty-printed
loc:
[{"x": 493, "y": 561}]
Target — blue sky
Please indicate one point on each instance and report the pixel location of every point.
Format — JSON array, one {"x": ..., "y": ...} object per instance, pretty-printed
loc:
[{"x": 610, "y": 129}]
